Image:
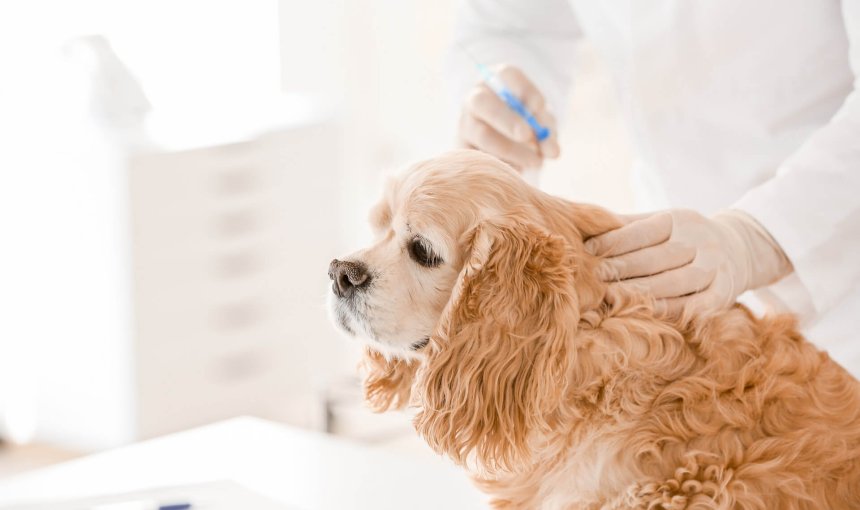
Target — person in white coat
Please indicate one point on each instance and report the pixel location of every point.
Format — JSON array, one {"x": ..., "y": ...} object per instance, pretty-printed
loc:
[{"x": 745, "y": 119}]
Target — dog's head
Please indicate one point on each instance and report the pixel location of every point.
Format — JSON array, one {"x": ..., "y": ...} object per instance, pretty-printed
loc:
[{"x": 469, "y": 300}]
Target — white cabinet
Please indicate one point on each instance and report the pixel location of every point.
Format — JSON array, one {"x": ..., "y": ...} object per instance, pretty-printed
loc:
[
  {"x": 214, "y": 258},
  {"x": 230, "y": 250}
]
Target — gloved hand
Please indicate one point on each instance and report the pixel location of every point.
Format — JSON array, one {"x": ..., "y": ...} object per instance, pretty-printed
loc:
[
  {"x": 690, "y": 262},
  {"x": 488, "y": 124}
]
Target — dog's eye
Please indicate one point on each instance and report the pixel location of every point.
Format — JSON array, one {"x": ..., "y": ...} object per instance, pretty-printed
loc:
[{"x": 421, "y": 253}]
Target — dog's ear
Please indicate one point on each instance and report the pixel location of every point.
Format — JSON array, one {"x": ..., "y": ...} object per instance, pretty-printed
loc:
[
  {"x": 497, "y": 367},
  {"x": 387, "y": 382}
]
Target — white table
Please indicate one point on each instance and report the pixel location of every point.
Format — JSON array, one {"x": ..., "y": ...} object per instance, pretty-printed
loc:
[{"x": 301, "y": 469}]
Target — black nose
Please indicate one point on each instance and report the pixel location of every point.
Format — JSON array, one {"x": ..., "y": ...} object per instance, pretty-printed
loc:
[{"x": 347, "y": 277}]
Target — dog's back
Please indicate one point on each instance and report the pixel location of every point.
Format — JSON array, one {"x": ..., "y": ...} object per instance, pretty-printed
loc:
[
  {"x": 749, "y": 416},
  {"x": 765, "y": 420}
]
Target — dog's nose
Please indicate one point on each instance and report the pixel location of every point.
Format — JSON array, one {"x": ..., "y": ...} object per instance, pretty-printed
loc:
[{"x": 347, "y": 276}]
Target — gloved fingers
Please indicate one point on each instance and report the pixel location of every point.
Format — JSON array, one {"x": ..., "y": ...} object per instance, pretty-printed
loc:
[
  {"x": 549, "y": 148},
  {"x": 638, "y": 234},
  {"x": 630, "y": 218},
  {"x": 480, "y": 135},
  {"x": 647, "y": 261},
  {"x": 488, "y": 124},
  {"x": 625, "y": 219},
  {"x": 532, "y": 98},
  {"x": 485, "y": 105},
  {"x": 693, "y": 304},
  {"x": 522, "y": 87},
  {"x": 678, "y": 282},
  {"x": 673, "y": 307}
]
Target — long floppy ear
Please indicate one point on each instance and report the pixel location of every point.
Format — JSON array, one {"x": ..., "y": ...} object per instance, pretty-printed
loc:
[
  {"x": 497, "y": 367},
  {"x": 387, "y": 382}
]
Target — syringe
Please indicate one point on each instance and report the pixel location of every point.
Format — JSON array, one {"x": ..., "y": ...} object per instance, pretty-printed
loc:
[{"x": 498, "y": 86}]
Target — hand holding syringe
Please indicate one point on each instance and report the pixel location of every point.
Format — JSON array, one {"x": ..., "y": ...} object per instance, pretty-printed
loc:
[{"x": 506, "y": 116}]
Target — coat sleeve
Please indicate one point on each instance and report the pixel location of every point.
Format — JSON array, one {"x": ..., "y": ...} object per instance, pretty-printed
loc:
[{"x": 811, "y": 206}]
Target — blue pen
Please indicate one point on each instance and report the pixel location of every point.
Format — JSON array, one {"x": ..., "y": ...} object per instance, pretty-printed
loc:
[{"x": 498, "y": 86}]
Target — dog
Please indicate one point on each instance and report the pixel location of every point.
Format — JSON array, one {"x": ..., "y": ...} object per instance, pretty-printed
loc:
[{"x": 481, "y": 309}]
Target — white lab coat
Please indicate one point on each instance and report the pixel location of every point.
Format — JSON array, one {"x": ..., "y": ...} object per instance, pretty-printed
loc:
[{"x": 752, "y": 105}]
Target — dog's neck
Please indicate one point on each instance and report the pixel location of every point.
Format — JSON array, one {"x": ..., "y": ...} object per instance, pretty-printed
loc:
[{"x": 619, "y": 337}]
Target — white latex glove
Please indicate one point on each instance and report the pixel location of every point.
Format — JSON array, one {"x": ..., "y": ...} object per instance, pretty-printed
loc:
[
  {"x": 690, "y": 262},
  {"x": 489, "y": 125}
]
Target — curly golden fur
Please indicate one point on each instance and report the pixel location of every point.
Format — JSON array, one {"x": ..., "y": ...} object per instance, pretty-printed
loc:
[{"x": 554, "y": 394}]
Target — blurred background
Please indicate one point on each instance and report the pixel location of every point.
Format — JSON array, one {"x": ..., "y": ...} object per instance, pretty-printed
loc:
[{"x": 175, "y": 177}]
